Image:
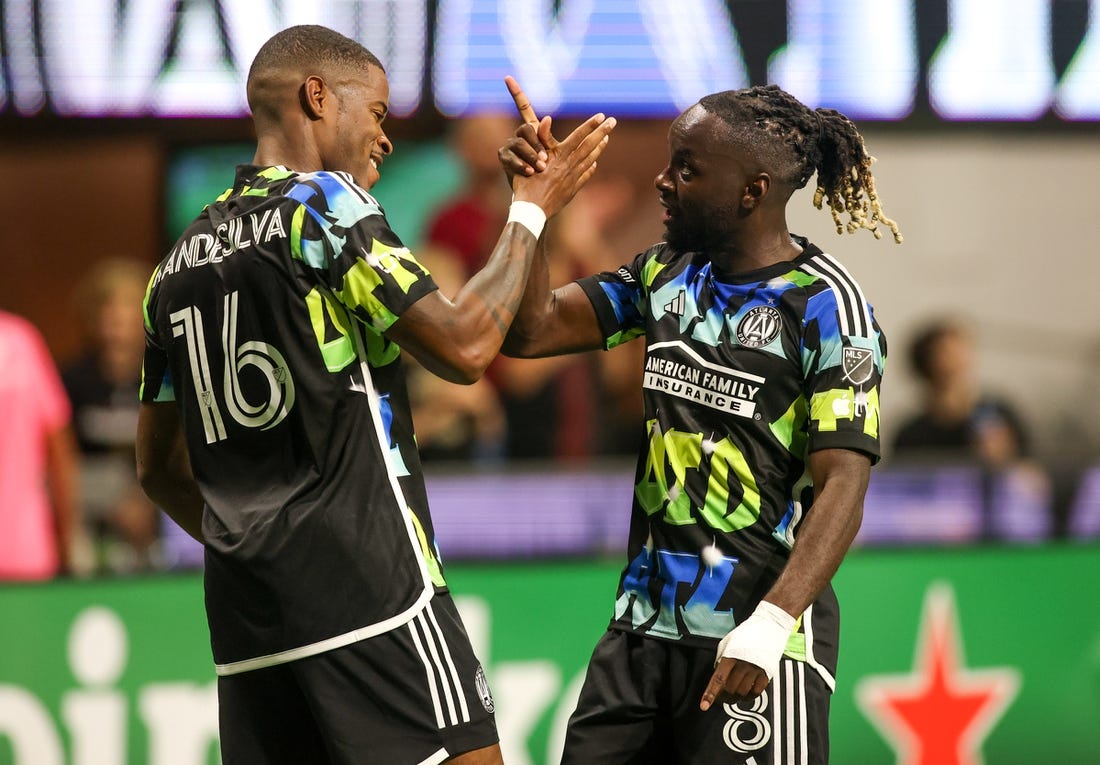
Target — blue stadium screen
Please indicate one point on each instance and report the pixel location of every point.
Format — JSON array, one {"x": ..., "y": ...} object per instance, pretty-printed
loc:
[{"x": 886, "y": 60}]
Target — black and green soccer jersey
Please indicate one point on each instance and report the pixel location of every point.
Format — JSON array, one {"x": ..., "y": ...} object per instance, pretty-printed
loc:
[
  {"x": 745, "y": 375},
  {"x": 264, "y": 324}
]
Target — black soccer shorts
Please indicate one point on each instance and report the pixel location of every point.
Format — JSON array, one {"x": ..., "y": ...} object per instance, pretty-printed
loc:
[
  {"x": 640, "y": 706},
  {"x": 415, "y": 695}
]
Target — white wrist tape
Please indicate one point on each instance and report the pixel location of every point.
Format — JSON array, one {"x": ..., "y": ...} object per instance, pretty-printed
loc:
[
  {"x": 760, "y": 639},
  {"x": 529, "y": 215}
]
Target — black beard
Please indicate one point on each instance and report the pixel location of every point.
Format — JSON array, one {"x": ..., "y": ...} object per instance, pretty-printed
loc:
[{"x": 683, "y": 238}]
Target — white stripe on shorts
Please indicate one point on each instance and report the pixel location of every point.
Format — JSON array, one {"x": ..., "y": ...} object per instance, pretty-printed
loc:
[
  {"x": 776, "y": 697},
  {"x": 446, "y": 649},
  {"x": 439, "y": 667},
  {"x": 790, "y": 743},
  {"x": 803, "y": 733},
  {"x": 440, "y": 672},
  {"x": 792, "y": 721},
  {"x": 429, "y": 674}
]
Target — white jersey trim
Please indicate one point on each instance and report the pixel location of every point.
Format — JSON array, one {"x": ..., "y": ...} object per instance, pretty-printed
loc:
[
  {"x": 680, "y": 344},
  {"x": 811, "y": 659},
  {"x": 362, "y": 633},
  {"x": 328, "y": 644},
  {"x": 436, "y": 758}
]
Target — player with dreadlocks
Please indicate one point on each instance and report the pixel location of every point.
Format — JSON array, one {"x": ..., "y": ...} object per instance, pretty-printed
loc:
[
  {"x": 761, "y": 386},
  {"x": 808, "y": 141}
]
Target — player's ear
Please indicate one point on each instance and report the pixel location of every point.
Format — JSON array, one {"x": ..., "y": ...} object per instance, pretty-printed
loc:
[
  {"x": 314, "y": 96},
  {"x": 756, "y": 191}
]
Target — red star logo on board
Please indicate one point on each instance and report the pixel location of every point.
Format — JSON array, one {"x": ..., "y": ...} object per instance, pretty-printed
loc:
[{"x": 942, "y": 711}]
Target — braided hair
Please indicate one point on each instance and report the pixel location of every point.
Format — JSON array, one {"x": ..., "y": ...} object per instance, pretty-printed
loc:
[{"x": 795, "y": 141}]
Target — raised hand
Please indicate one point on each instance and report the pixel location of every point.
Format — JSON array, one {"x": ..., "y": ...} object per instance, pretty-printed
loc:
[
  {"x": 527, "y": 152},
  {"x": 523, "y": 104},
  {"x": 542, "y": 169},
  {"x": 524, "y": 153}
]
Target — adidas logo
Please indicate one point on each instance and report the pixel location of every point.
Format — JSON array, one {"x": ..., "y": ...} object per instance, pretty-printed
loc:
[{"x": 676, "y": 305}]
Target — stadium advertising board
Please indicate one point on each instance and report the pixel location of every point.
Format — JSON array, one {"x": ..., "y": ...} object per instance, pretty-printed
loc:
[
  {"x": 952, "y": 657},
  {"x": 948, "y": 60}
]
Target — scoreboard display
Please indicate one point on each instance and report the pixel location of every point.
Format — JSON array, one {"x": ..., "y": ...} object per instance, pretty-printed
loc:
[{"x": 882, "y": 60}]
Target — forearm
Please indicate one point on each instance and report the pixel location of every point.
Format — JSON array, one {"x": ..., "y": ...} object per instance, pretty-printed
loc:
[
  {"x": 822, "y": 542},
  {"x": 533, "y": 309},
  {"x": 457, "y": 339},
  {"x": 164, "y": 467},
  {"x": 179, "y": 497},
  {"x": 491, "y": 300}
]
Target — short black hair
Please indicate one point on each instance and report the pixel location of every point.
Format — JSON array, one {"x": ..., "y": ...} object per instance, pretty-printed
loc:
[
  {"x": 794, "y": 141},
  {"x": 310, "y": 45}
]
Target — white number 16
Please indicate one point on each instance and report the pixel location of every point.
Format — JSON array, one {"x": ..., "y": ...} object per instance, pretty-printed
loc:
[{"x": 268, "y": 361}]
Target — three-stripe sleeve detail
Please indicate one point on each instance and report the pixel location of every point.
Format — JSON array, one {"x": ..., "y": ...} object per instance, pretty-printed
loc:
[{"x": 854, "y": 316}]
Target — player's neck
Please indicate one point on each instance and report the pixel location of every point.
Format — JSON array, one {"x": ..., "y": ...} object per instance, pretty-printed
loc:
[
  {"x": 272, "y": 150},
  {"x": 752, "y": 253}
]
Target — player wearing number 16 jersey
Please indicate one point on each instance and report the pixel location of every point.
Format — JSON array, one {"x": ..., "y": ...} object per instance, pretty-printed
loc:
[
  {"x": 275, "y": 425},
  {"x": 761, "y": 387}
]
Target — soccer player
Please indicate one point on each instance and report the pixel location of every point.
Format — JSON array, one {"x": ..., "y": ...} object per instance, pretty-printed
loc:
[
  {"x": 275, "y": 424},
  {"x": 761, "y": 385}
]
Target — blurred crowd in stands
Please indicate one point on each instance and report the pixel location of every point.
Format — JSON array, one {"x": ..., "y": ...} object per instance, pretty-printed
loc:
[{"x": 961, "y": 468}]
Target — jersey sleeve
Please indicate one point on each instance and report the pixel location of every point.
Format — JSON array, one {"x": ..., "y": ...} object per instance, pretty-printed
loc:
[
  {"x": 619, "y": 300},
  {"x": 156, "y": 375},
  {"x": 340, "y": 233},
  {"x": 844, "y": 356}
]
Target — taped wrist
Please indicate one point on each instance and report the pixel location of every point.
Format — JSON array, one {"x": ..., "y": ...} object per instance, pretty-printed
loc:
[
  {"x": 760, "y": 639},
  {"x": 529, "y": 215}
]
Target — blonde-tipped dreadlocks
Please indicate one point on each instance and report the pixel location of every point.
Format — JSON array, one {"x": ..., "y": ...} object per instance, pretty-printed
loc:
[{"x": 823, "y": 141}]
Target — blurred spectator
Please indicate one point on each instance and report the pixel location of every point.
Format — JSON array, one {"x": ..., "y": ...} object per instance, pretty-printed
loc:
[
  {"x": 103, "y": 384},
  {"x": 957, "y": 419},
  {"x": 959, "y": 422},
  {"x": 39, "y": 517},
  {"x": 452, "y": 422},
  {"x": 582, "y": 241},
  {"x": 468, "y": 225}
]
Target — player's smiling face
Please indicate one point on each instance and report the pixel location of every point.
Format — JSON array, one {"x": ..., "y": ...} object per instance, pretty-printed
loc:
[
  {"x": 703, "y": 185},
  {"x": 356, "y": 142}
]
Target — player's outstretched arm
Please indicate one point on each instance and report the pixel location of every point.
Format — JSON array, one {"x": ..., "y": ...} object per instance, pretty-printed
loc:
[
  {"x": 456, "y": 339},
  {"x": 549, "y": 322},
  {"x": 748, "y": 656}
]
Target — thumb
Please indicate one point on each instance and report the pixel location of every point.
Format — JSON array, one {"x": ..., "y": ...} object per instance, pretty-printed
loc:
[{"x": 545, "y": 136}]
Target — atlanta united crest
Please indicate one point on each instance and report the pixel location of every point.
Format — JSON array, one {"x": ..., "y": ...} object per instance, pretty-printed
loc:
[
  {"x": 858, "y": 364},
  {"x": 759, "y": 327}
]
